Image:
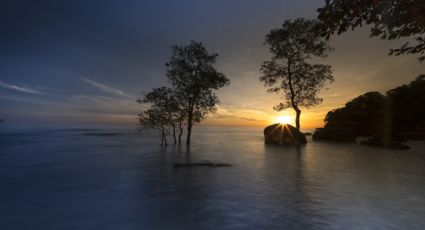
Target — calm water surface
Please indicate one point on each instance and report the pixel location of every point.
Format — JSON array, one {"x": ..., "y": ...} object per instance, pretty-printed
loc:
[{"x": 117, "y": 178}]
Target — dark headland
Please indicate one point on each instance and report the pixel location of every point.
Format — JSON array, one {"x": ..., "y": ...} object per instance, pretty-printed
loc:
[{"x": 389, "y": 120}]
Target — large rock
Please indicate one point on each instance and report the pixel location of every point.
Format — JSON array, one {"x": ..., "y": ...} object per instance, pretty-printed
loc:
[
  {"x": 334, "y": 134},
  {"x": 283, "y": 134}
]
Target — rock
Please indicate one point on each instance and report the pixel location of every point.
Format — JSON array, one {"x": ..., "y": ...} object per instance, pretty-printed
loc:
[
  {"x": 387, "y": 145},
  {"x": 283, "y": 134},
  {"x": 100, "y": 134},
  {"x": 203, "y": 163},
  {"x": 334, "y": 134},
  {"x": 388, "y": 142},
  {"x": 417, "y": 136}
]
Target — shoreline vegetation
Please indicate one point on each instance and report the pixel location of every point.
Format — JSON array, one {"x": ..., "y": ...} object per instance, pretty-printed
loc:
[{"x": 388, "y": 119}]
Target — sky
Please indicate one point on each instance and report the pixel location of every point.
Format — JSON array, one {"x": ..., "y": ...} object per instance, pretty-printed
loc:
[{"x": 81, "y": 61}]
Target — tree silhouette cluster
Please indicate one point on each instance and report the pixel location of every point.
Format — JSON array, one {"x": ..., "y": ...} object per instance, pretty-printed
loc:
[
  {"x": 190, "y": 96},
  {"x": 401, "y": 110}
]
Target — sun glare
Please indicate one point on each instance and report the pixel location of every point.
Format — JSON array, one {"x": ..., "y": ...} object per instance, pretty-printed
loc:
[{"x": 283, "y": 119}]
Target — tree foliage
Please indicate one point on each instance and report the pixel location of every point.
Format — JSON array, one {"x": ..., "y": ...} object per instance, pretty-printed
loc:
[
  {"x": 390, "y": 19},
  {"x": 155, "y": 119},
  {"x": 290, "y": 71},
  {"x": 407, "y": 105},
  {"x": 401, "y": 110},
  {"x": 190, "y": 97},
  {"x": 165, "y": 101},
  {"x": 364, "y": 114},
  {"x": 194, "y": 78}
]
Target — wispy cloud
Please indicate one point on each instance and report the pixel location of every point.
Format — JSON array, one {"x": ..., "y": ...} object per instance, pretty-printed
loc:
[
  {"x": 106, "y": 104},
  {"x": 240, "y": 114},
  {"x": 20, "y": 88},
  {"x": 106, "y": 89}
]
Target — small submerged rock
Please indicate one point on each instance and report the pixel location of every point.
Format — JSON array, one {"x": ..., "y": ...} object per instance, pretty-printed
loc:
[
  {"x": 388, "y": 142},
  {"x": 202, "y": 163},
  {"x": 284, "y": 134},
  {"x": 100, "y": 134},
  {"x": 334, "y": 134}
]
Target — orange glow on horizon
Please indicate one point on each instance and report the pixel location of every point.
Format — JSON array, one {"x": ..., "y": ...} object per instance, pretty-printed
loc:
[{"x": 239, "y": 118}]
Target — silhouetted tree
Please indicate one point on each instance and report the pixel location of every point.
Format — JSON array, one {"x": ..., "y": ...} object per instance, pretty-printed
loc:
[
  {"x": 391, "y": 19},
  {"x": 165, "y": 100},
  {"x": 193, "y": 78},
  {"x": 289, "y": 71},
  {"x": 155, "y": 119}
]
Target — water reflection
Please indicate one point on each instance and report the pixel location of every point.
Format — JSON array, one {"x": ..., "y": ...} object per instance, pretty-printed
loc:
[
  {"x": 128, "y": 181},
  {"x": 302, "y": 210}
]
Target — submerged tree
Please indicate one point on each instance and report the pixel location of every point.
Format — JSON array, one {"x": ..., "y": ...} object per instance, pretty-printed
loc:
[
  {"x": 289, "y": 71},
  {"x": 165, "y": 101},
  {"x": 155, "y": 119},
  {"x": 193, "y": 77},
  {"x": 390, "y": 19}
]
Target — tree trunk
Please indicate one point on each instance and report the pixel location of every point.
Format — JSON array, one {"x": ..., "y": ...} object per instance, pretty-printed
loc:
[
  {"x": 293, "y": 104},
  {"x": 164, "y": 139},
  {"x": 174, "y": 134},
  {"x": 189, "y": 127},
  {"x": 189, "y": 133},
  {"x": 297, "y": 118},
  {"x": 180, "y": 134}
]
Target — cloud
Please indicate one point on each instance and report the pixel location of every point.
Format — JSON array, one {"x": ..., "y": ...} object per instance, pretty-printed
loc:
[
  {"x": 239, "y": 114},
  {"x": 19, "y": 88},
  {"x": 106, "y": 89},
  {"x": 219, "y": 116},
  {"x": 105, "y": 104}
]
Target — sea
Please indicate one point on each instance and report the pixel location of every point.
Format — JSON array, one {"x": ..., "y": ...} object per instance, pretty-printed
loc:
[{"x": 118, "y": 177}]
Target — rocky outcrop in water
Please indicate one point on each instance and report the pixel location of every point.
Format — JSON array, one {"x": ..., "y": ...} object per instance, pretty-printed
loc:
[
  {"x": 283, "y": 134},
  {"x": 334, "y": 134},
  {"x": 202, "y": 163},
  {"x": 385, "y": 141}
]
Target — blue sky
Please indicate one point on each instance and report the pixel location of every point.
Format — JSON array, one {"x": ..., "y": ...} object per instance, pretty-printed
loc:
[{"x": 87, "y": 61}]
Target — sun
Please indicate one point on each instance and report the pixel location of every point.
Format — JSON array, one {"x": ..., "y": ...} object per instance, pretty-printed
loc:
[{"x": 283, "y": 119}]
